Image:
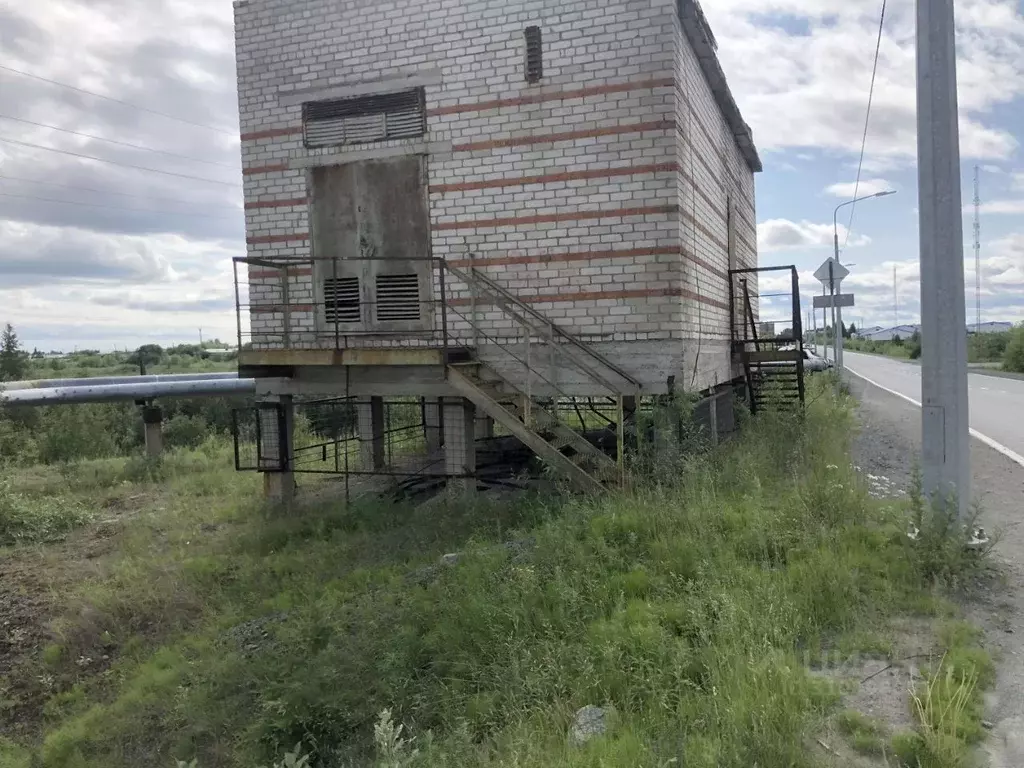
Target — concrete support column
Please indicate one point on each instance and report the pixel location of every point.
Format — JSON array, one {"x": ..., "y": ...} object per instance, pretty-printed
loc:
[
  {"x": 152, "y": 420},
  {"x": 277, "y": 451},
  {"x": 713, "y": 418},
  {"x": 484, "y": 426},
  {"x": 370, "y": 419},
  {"x": 460, "y": 441},
  {"x": 432, "y": 429}
]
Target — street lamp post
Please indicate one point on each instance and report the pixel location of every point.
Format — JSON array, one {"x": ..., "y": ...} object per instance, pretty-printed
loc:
[{"x": 837, "y": 313}]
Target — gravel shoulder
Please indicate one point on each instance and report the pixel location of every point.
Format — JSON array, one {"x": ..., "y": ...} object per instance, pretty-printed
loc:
[{"x": 888, "y": 446}]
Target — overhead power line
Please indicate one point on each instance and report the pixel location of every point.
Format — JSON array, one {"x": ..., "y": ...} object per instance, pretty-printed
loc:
[
  {"x": 117, "y": 162},
  {"x": 117, "y": 207},
  {"x": 118, "y": 143},
  {"x": 867, "y": 123},
  {"x": 117, "y": 194},
  {"x": 118, "y": 101}
]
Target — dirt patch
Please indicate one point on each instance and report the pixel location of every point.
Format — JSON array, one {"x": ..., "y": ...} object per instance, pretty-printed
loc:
[{"x": 25, "y": 614}]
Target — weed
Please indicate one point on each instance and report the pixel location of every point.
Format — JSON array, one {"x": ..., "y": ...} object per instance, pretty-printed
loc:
[
  {"x": 940, "y": 545},
  {"x": 24, "y": 518}
]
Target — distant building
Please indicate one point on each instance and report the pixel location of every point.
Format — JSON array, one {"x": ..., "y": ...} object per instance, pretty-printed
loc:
[
  {"x": 991, "y": 328},
  {"x": 888, "y": 334}
]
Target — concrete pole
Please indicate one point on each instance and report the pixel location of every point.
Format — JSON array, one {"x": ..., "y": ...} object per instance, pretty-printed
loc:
[
  {"x": 152, "y": 420},
  {"x": 945, "y": 422}
]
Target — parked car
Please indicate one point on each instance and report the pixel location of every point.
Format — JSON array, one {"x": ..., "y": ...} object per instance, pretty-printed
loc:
[{"x": 815, "y": 363}]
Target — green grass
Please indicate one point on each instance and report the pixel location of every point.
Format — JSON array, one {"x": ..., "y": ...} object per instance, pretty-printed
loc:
[
  {"x": 864, "y": 734},
  {"x": 689, "y": 606}
]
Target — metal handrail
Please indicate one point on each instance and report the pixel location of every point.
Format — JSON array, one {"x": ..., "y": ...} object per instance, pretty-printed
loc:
[{"x": 475, "y": 276}]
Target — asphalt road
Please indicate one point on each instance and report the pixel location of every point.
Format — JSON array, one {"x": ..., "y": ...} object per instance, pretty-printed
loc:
[{"x": 997, "y": 404}]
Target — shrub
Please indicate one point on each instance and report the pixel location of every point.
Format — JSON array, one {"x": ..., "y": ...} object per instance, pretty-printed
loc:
[
  {"x": 1013, "y": 358},
  {"x": 185, "y": 431}
]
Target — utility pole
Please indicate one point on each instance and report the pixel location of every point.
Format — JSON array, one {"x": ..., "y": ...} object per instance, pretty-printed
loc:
[
  {"x": 977, "y": 247},
  {"x": 945, "y": 422},
  {"x": 200, "y": 337}
]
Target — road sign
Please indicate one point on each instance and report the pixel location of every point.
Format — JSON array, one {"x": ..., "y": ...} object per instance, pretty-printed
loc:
[
  {"x": 840, "y": 300},
  {"x": 838, "y": 272}
]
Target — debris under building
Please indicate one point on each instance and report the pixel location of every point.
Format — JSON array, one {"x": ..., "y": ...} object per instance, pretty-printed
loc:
[{"x": 470, "y": 222}]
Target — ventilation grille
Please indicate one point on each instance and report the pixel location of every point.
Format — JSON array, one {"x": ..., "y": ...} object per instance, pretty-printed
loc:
[
  {"x": 398, "y": 298},
  {"x": 534, "y": 55},
  {"x": 341, "y": 300},
  {"x": 365, "y": 119}
]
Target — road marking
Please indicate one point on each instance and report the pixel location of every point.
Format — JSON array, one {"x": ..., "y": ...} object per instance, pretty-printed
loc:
[{"x": 1010, "y": 454}]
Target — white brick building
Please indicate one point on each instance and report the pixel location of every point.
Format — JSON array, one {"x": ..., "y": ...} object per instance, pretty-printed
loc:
[{"x": 586, "y": 156}]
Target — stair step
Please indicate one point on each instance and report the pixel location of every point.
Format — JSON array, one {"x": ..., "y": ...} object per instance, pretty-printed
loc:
[{"x": 545, "y": 450}]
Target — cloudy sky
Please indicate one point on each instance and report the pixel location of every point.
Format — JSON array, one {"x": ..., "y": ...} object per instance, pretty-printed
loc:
[{"x": 95, "y": 254}]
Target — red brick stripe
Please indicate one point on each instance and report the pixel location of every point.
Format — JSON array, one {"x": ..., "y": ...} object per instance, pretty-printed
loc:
[
  {"x": 521, "y": 181},
  {"x": 577, "y": 216},
  {"x": 276, "y": 203},
  {"x": 707, "y": 265},
  {"x": 278, "y": 273},
  {"x": 272, "y": 133},
  {"x": 264, "y": 169},
  {"x": 559, "y": 258},
  {"x": 540, "y": 98},
  {"x": 297, "y": 237},
  {"x": 641, "y": 293},
  {"x": 519, "y": 141}
]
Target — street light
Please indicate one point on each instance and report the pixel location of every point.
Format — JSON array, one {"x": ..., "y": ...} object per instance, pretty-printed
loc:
[
  {"x": 837, "y": 323},
  {"x": 835, "y": 216}
]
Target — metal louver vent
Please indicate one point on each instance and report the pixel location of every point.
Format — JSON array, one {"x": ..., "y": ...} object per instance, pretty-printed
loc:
[
  {"x": 534, "y": 55},
  {"x": 341, "y": 300},
  {"x": 365, "y": 119},
  {"x": 398, "y": 298}
]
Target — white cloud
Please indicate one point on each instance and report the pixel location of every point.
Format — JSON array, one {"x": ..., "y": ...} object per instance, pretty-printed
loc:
[
  {"x": 847, "y": 190},
  {"x": 783, "y": 234},
  {"x": 811, "y": 89},
  {"x": 1002, "y": 207}
]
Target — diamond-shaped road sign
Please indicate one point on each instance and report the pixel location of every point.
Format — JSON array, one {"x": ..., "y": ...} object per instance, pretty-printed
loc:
[{"x": 838, "y": 272}]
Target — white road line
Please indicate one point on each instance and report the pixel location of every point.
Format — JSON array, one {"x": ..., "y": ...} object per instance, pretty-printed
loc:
[{"x": 1011, "y": 455}]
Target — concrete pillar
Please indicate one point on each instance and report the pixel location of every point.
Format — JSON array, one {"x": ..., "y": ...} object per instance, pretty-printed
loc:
[
  {"x": 484, "y": 427},
  {"x": 460, "y": 442},
  {"x": 713, "y": 418},
  {"x": 370, "y": 419},
  {"x": 152, "y": 420},
  {"x": 277, "y": 451},
  {"x": 432, "y": 429}
]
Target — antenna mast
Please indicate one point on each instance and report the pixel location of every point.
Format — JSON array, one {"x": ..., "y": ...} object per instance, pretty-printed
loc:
[{"x": 977, "y": 245}]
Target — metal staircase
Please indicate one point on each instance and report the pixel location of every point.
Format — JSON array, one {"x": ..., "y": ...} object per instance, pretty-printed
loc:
[
  {"x": 773, "y": 367},
  {"x": 530, "y": 408}
]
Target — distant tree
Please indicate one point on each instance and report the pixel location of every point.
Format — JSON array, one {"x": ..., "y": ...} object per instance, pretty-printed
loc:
[
  {"x": 37, "y": 355},
  {"x": 12, "y": 359},
  {"x": 897, "y": 340},
  {"x": 851, "y": 331},
  {"x": 147, "y": 354}
]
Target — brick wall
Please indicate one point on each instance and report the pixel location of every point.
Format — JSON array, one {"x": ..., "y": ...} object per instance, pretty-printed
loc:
[{"x": 598, "y": 194}]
